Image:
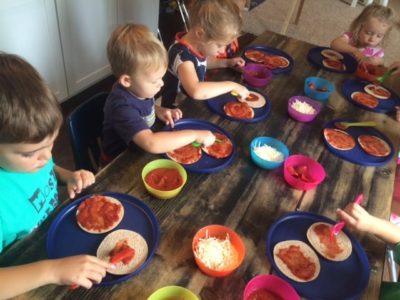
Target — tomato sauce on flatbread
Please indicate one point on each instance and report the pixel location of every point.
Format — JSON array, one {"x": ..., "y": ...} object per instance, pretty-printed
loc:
[
  {"x": 339, "y": 139},
  {"x": 262, "y": 294},
  {"x": 334, "y": 64},
  {"x": 239, "y": 110},
  {"x": 374, "y": 145},
  {"x": 275, "y": 61},
  {"x": 365, "y": 99},
  {"x": 99, "y": 214},
  {"x": 377, "y": 91},
  {"x": 164, "y": 179},
  {"x": 255, "y": 55},
  {"x": 332, "y": 54},
  {"x": 254, "y": 100},
  {"x": 185, "y": 155},
  {"x": 221, "y": 148}
]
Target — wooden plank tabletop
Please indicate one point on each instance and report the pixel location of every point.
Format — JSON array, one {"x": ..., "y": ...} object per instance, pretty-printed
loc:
[{"x": 244, "y": 197}]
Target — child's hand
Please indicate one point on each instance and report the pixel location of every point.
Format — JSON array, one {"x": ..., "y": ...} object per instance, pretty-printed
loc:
[
  {"x": 78, "y": 181},
  {"x": 169, "y": 116},
  {"x": 242, "y": 91},
  {"x": 82, "y": 270},
  {"x": 359, "y": 56},
  {"x": 396, "y": 67},
  {"x": 205, "y": 137},
  {"x": 237, "y": 63},
  {"x": 356, "y": 217}
]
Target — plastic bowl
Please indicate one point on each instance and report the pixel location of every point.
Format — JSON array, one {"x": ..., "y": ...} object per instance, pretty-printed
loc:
[
  {"x": 314, "y": 171},
  {"x": 369, "y": 72},
  {"x": 163, "y": 163},
  {"x": 314, "y": 86},
  {"x": 265, "y": 140},
  {"x": 257, "y": 75},
  {"x": 272, "y": 284},
  {"x": 299, "y": 116},
  {"x": 220, "y": 232},
  {"x": 173, "y": 292}
]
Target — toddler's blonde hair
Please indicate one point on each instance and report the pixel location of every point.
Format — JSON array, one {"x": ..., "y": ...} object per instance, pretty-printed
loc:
[
  {"x": 380, "y": 12},
  {"x": 133, "y": 48},
  {"x": 221, "y": 20}
]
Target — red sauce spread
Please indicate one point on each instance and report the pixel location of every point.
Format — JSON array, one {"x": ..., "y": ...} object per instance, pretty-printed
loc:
[
  {"x": 323, "y": 232},
  {"x": 164, "y": 179},
  {"x": 97, "y": 213},
  {"x": 263, "y": 295},
  {"x": 122, "y": 252},
  {"x": 300, "y": 265}
]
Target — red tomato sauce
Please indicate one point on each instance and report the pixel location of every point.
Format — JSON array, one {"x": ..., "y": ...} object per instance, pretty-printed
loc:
[
  {"x": 164, "y": 179},
  {"x": 264, "y": 295},
  {"x": 332, "y": 248},
  {"x": 300, "y": 265}
]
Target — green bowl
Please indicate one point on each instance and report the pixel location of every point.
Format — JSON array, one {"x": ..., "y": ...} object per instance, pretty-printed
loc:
[
  {"x": 163, "y": 163},
  {"x": 173, "y": 292}
]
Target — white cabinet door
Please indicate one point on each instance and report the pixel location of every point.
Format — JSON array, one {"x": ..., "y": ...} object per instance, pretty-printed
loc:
[
  {"x": 85, "y": 27},
  {"x": 29, "y": 29},
  {"x": 139, "y": 11}
]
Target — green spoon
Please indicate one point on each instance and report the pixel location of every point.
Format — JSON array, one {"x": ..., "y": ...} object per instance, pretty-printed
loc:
[
  {"x": 197, "y": 145},
  {"x": 345, "y": 125},
  {"x": 385, "y": 76}
]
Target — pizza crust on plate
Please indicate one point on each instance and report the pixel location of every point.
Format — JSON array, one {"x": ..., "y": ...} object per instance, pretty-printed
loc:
[
  {"x": 331, "y": 54},
  {"x": 373, "y": 89},
  {"x": 374, "y": 145},
  {"x": 185, "y": 155},
  {"x": 333, "y": 64},
  {"x": 339, "y": 139},
  {"x": 257, "y": 103}
]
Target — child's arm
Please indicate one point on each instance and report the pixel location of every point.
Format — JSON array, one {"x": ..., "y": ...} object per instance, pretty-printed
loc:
[
  {"x": 76, "y": 181},
  {"x": 235, "y": 62},
  {"x": 165, "y": 141},
  {"x": 342, "y": 44},
  {"x": 375, "y": 60},
  {"x": 396, "y": 67},
  {"x": 83, "y": 270},
  {"x": 359, "y": 219},
  {"x": 203, "y": 90}
]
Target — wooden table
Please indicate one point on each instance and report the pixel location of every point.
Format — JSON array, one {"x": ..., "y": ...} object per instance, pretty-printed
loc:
[{"x": 244, "y": 197}]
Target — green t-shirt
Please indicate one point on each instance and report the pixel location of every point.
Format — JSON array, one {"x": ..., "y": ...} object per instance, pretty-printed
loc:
[{"x": 26, "y": 199}]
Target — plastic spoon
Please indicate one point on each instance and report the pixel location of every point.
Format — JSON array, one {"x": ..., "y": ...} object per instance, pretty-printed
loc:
[
  {"x": 339, "y": 226},
  {"x": 197, "y": 145},
  {"x": 385, "y": 76},
  {"x": 345, "y": 125}
]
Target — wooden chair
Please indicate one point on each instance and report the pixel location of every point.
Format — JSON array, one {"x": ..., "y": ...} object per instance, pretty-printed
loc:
[{"x": 84, "y": 127}]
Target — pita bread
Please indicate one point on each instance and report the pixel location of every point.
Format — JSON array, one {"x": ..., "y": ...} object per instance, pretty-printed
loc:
[
  {"x": 305, "y": 250},
  {"x": 185, "y": 155},
  {"x": 377, "y": 91},
  {"x": 334, "y": 64},
  {"x": 260, "y": 102},
  {"x": 134, "y": 240},
  {"x": 331, "y": 54},
  {"x": 101, "y": 214},
  {"x": 341, "y": 241}
]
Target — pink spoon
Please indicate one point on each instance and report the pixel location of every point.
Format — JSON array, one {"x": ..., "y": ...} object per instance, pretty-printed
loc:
[{"x": 339, "y": 226}]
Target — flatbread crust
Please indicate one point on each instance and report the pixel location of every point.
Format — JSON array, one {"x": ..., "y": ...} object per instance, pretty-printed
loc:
[
  {"x": 134, "y": 240},
  {"x": 365, "y": 99},
  {"x": 331, "y": 54},
  {"x": 238, "y": 110},
  {"x": 374, "y": 145},
  {"x": 334, "y": 64},
  {"x": 220, "y": 149},
  {"x": 185, "y": 155},
  {"x": 275, "y": 61},
  {"x": 255, "y": 55},
  {"x": 101, "y": 213},
  {"x": 306, "y": 250},
  {"x": 255, "y": 100},
  {"x": 377, "y": 91},
  {"x": 342, "y": 242},
  {"x": 339, "y": 139}
]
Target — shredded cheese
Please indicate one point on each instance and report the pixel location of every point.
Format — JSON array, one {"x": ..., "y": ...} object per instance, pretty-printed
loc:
[
  {"x": 303, "y": 107},
  {"x": 269, "y": 153},
  {"x": 214, "y": 253}
]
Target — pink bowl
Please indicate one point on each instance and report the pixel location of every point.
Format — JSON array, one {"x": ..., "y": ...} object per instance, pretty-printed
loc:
[
  {"x": 314, "y": 171},
  {"x": 257, "y": 75},
  {"x": 272, "y": 284},
  {"x": 299, "y": 116}
]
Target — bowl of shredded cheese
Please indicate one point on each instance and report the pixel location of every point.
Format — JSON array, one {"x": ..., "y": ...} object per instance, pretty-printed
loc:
[
  {"x": 303, "y": 109},
  {"x": 267, "y": 152},
  {"x": 218, "y": 250}
]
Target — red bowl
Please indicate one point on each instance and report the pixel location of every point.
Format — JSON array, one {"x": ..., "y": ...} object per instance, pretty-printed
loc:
[
  {"x": 220, "y": 232},
  {"x": 314, "y": 172},
  {"x": 257, "y": 75},
  {"x": 369, "y": 72}
]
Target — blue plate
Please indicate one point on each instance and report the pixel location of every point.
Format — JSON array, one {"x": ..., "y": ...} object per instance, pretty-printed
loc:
[
  {"x": 385, "y": 105},
  {"x": 315, "y": 57},
  {"x": 66, "y": 238},
  {"x": 342, "y": 280},
  {"x": 274, "y": 51},
  {"x": 357, "y": 155},
  {"x": 216, "y": 105},
  {"x": 206, "y": 164}
]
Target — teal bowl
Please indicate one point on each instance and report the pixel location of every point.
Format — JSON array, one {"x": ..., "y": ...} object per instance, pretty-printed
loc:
[
  {"x": 274, "y": 143},
  {"x": 318, "y": 88}
]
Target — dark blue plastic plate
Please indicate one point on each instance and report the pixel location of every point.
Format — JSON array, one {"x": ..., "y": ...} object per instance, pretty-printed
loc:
[
  {"x": 66, "y": 238},
  {"x": 315, "y": 57},
  {"x": 274, "y": 51},
  {"x": 357, "y": 155},
  {"x": 206, "y": 164},
  {"x": 216, "y": 105},
  {"x": 353, "y": 85},
  {"x": 342, "y": 280}
]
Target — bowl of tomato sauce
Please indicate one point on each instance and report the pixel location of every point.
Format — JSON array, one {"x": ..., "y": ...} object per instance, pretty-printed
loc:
[
  {"x": 164, "y": 178},
  {"x": 257, "y": 75}
]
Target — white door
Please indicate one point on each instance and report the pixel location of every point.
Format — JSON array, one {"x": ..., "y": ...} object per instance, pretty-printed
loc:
[{"x": 29, "y": 29}]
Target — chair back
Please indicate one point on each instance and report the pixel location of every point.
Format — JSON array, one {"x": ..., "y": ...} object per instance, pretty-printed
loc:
[{"x": 84, "y": 127}]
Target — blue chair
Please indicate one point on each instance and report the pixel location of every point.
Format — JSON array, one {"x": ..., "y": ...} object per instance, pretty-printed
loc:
[{"x": 84, "y": 127}]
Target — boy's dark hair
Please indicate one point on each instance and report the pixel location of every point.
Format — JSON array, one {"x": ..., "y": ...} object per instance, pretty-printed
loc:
[{"x": 29, "y": 111}]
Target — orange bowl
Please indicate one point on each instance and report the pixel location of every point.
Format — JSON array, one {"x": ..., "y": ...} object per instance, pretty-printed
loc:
[
  {"x": 220, "y": 232},
  {"x": 369, "y": 72}
]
